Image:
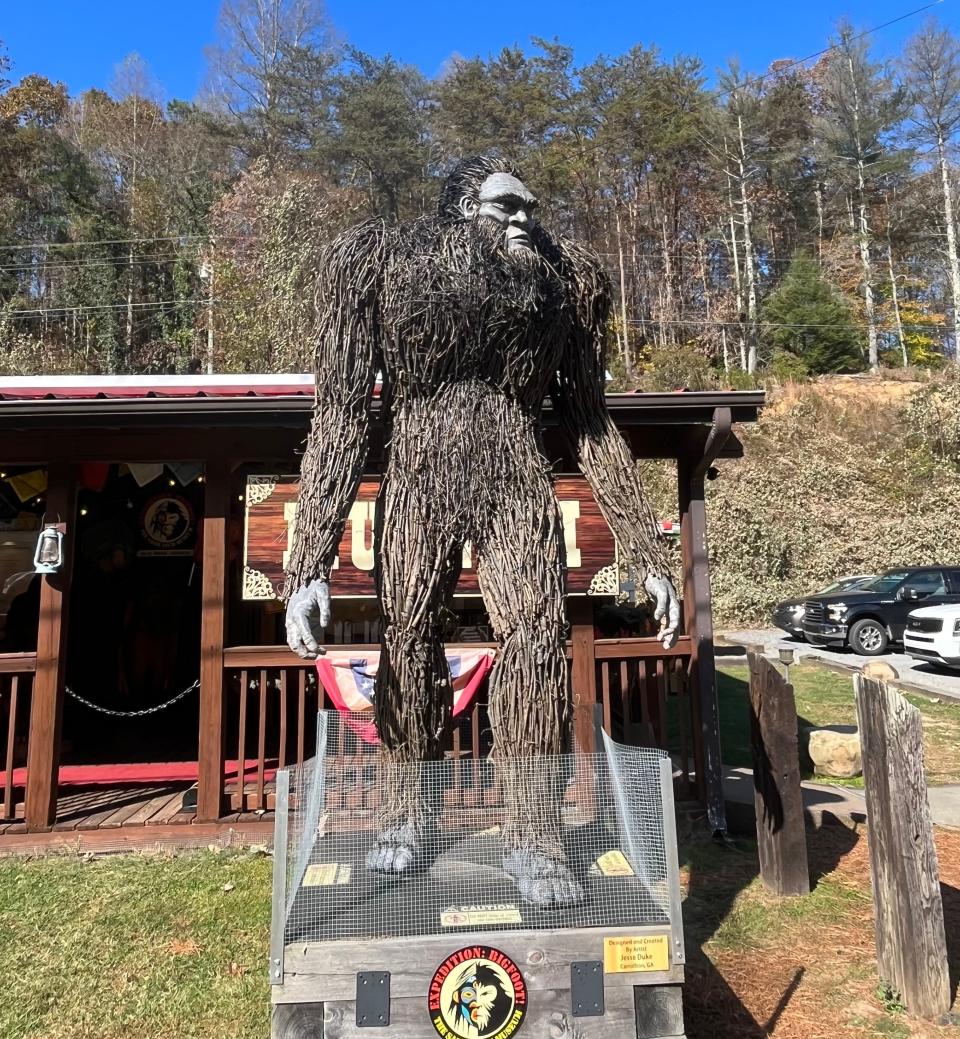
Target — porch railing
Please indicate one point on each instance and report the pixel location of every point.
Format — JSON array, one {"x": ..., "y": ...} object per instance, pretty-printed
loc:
[
  {"x": 16, "y": 686},
  {"x": 272, "y": 698}
]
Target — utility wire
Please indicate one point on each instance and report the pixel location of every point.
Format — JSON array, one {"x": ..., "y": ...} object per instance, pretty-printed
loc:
[
  {"x": 104, "y": 241},
  {"x": 72, "y": 265},
  {"x": 634, "y": 322},
  {"x": 752, "y": 80},
  {"x": 71, "y": 308}
]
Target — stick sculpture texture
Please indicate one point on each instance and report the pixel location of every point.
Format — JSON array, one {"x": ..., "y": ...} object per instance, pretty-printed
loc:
[{"x": 473, "y": 316}]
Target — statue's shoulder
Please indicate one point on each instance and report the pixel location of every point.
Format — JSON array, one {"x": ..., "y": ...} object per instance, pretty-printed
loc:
[
  {"x": 582, "y": 263},
  {"x": 357, "y": 242}
]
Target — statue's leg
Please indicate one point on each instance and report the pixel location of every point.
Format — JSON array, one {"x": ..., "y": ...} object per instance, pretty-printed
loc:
[
  {"x": 417, "y": 570},
  {"x": 521, "y": 576}
]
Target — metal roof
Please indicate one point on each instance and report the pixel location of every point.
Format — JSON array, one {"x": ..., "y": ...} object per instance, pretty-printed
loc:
[
  {"x": 136, "y": 401},
  {"x": 138, "y": 387}
]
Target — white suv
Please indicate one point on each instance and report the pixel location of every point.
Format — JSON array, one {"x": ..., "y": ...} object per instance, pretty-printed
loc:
[{"x": 933, "y": 634}]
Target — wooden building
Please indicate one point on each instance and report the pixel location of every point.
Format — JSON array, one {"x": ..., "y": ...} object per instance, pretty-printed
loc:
[{"x": 160, "y": 488}]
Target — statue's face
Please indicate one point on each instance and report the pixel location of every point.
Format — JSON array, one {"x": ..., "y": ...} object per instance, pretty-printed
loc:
[
  {"x": 505, "y": 201},
  {"x": 476, "y": 1002}
]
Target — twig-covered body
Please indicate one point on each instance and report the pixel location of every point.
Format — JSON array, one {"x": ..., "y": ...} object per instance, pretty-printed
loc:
[{"x": 470, "y": 337}]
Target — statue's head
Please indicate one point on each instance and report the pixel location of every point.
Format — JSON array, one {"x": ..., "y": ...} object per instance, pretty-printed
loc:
[{"x": 491, "y": 191}]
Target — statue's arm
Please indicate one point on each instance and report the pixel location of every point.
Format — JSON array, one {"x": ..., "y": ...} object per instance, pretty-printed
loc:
[
  {"x": 603, "y": 454},
  {"x": 346, "y": 352}
]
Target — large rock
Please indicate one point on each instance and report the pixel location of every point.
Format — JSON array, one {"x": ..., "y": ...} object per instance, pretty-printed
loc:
[{"x": 835, "y": 751}]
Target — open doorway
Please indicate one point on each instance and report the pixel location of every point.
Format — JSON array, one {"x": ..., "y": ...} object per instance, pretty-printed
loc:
[{"x": 134, "y": 622}]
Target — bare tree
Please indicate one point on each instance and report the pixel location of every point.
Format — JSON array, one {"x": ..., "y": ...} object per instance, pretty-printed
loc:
[
  {"x": 137, "y": 120},
  {"x": 247, "y": 77},
  {"x": 734, "y": 148},
  {"x": 860, "y": 108},
  {"x": 931, "y": 66}
]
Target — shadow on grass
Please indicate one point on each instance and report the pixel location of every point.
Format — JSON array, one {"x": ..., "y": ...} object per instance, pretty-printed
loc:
[{"x": 719, "y": 873}]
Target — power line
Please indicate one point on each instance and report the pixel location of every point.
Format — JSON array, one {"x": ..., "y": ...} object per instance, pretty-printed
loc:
[
  {"x": 71, "y": 265},
  {"x": 761, "y": 325},
  {"x": 596, "y": 145},
  {"x": 70, "y": 309},
  {"x": 750, "y": 81},
  {"x": 104, "y": 241},
  {"x": 635, "y": 322}
]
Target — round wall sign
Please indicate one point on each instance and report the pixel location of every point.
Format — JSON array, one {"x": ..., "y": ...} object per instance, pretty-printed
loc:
[
  {"x": 477, "y": 993},
  {"x": 167, "y": 521}
]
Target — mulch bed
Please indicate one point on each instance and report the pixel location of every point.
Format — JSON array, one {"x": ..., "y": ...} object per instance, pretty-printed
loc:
[{"x": 814, "y": 977}]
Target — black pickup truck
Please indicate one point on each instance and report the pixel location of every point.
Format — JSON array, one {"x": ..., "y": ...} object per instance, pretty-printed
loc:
[{"x": 871, "y": 616}]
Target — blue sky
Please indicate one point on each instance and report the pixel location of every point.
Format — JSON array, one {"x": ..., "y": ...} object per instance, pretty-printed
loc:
[{"x": 81, "y": 41}]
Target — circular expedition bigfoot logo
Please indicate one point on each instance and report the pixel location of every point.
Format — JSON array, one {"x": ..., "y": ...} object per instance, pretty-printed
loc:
[
  {"x": 167, "y": 521},
  {"x": 477, "y": 993}
]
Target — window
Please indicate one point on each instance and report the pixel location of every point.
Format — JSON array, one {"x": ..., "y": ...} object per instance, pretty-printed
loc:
[
  {"x": 922, "y": 584},
  {"x": 885, "y": 584}
]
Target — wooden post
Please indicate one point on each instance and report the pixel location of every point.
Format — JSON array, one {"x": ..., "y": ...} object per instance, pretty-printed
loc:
[
  {"x": 908, "y": 908},
  {"x": 583, "y": 671},
  {"x": 46, "y": 712},
  {"x": 698, "y": 624},
  {"x": 583, "y": 682},
  {"x": 778, "y": 796},
  {"x": 212, "y": 631}
]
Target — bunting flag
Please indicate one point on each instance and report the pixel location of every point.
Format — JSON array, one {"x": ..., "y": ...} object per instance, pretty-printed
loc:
[
  {"x": 185, "y": 472},
  {"x": 29, "y": 485},
  {"x": 145, "y": 472},
  {"x": 348, "y": 680}
]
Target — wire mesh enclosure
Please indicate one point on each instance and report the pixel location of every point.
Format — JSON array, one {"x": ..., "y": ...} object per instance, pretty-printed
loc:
[{"x": 611, "y": 814}]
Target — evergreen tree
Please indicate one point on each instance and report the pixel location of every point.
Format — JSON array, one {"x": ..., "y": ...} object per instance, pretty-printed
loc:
[{"x": 804, "y": 316}]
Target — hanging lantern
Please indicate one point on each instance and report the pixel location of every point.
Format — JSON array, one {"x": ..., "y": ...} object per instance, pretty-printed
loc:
[{"x": 48, "y": 557}]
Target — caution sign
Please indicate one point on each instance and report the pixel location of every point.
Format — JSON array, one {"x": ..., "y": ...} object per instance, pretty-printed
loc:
[
  {"x": 480, "y": 915},
  {"x": 477, "y": 993},
  {"x": 628, "y": 955}
]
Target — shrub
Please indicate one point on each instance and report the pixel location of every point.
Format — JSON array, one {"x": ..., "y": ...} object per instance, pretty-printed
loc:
[
  {"x": 677, "y": 368},
  {"x": 829, "y": 485}
]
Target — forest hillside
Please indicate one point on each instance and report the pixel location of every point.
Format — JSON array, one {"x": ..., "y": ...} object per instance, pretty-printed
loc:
[{"x": 799, "y": 217}]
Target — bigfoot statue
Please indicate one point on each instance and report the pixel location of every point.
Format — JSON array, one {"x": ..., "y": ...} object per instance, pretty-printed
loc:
[{"x": 473, "y": 317}]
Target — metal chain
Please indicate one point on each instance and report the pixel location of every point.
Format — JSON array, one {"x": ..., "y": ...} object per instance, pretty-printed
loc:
[{"x": 132, "y": 714}]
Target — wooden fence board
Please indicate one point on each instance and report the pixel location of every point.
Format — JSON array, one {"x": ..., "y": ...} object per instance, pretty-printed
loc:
[
  {"x": 778, "y": 796},
  {"x": 908, "y": 908}
]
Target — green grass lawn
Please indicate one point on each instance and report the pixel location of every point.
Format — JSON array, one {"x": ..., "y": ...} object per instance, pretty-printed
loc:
[
  {"x": 175, "y": 947},
  {"x": 825, "y": 697},
  {"x": 152, "y": 947}
]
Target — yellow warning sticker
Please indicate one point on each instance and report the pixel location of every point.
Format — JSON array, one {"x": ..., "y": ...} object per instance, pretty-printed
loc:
[
  {"x": 482, "y": 915},
  {"x": 325, "y": 874},
  {"x": 627, "y": 955},
  {"x": 614, "y": 864}
]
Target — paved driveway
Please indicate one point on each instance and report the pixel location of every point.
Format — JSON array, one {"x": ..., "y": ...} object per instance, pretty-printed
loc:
[{"x": 913, "y": 673}]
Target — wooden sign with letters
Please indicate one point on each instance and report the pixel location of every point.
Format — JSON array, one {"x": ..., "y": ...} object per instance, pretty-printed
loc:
[{"x": 270, "y": 515}]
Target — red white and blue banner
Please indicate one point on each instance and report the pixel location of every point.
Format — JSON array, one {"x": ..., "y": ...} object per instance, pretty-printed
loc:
[{"x": 348, "y": 680}]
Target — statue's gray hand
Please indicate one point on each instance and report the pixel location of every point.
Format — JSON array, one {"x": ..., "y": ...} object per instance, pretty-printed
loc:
[
  {"x": 667, "y": 612},
  {"x": 308, "y": 613}
]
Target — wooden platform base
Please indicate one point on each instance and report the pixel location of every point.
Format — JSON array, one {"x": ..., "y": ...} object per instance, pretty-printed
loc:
[
  {"x": 654, "y": 1012},
  {"x": 318, "y": 996}
]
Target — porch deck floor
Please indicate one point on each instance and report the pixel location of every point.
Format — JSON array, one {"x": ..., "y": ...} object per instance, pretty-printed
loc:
[{"x": 127, "y": 807}]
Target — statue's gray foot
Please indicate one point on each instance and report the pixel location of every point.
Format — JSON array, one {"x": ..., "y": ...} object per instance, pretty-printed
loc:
[
  {"x": 542, "y": 879},
  {"x": 398, "y": 849}
]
